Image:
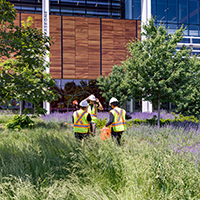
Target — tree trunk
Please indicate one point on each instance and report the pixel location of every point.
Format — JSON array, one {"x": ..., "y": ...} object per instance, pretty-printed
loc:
[
  {"x": 21, "y": 107},
  {"x": 159, "y": 110}
]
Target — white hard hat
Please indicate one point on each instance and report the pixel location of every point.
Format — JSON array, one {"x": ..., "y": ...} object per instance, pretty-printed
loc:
[
  {"x": 113, "y": 99},
  {"x": 84, "y": 103},
  {"x": 92, "y": 97}
]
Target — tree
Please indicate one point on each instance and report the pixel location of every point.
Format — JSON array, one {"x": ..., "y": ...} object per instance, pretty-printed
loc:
[
  {"x": 155, "y": 70},
  {"x": 111, "y": 86},
  {"x": 189, "y": 103},
  {"x": 22, "y": 63}
]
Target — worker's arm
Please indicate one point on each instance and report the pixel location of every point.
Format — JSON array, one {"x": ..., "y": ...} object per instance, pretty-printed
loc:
[
  {"x": 87, "y": 99},
  {"x": 100, "y": 107},
  {"x": 89, "y": 118},
  {"x": 111, "y": 118},
  {"x": 128, "y": 116},
  {"x": 72, "y": 119}
]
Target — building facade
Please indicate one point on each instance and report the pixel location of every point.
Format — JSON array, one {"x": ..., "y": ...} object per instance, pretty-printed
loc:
[{"x": 90, "y": 37}]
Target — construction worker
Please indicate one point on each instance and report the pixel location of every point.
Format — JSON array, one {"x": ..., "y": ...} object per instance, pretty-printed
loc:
[
  {"x": 81, "y": 120},
  {"x": 75, "y": 105},
  {"x": 117, "y": 120},
  {"x": 94, "y": 105}
]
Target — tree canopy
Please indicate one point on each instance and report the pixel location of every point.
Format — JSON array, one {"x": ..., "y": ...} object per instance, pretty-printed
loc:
[
  {"x": 155, "y": 70},
  {"x": 22, "y": 61}
]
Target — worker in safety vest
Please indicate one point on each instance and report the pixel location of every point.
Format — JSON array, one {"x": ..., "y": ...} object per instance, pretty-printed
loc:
[
  {"x": 117, "y": 120},
  {"x": 94, "y": 105},
  {"x": 81, "y": 120},
  {"x": 75, "y": 105}
]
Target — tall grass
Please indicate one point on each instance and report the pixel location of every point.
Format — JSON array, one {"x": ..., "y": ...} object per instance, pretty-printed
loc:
[{"x": 48, "y": 163}]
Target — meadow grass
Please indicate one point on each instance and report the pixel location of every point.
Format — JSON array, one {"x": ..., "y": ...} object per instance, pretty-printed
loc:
[{"x": 48, "y": 163}]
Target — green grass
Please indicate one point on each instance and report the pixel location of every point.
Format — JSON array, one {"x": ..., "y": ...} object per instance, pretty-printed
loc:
[{"x": 48, "y": 163}]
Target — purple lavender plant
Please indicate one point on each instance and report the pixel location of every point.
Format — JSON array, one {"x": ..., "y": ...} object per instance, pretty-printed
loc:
[{"x": 58, "y": 117}]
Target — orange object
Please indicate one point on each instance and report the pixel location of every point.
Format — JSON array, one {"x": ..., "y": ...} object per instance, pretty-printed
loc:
[
  {"x": 75, "y": 102},
  {"x": 105, "y": 133}
]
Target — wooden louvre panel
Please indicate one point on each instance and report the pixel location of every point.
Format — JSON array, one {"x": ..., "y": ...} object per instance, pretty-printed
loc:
[
  {"x": 38, "y": 21},
  {"x": 16, "y": 21},
  {"x": 93, "y": 48},
  {"x": 55, "y": 33},
  {"x": 107, "y": 46},
  {"x": 115, "y": 35},
  {"x": 119, "y": 41},
  {"x": 69, "y": 68},
  {"x": 139, "y": 30},
  {"x": 81, "y": 46}
]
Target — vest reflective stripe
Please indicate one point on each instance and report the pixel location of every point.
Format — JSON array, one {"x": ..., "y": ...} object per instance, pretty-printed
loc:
[
  {"x": 93, "y": 112},
  {"x": 119, "y": 122},
  {"x": 81, "y": 125}
]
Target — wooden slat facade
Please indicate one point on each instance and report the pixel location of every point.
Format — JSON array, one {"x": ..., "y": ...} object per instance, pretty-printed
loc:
[{"x": 90, "y": 46}]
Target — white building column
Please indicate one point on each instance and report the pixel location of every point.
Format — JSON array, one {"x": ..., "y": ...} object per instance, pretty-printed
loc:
[
  {"x": 45, "y": 29},
  {"x": 145, "y": 16}
]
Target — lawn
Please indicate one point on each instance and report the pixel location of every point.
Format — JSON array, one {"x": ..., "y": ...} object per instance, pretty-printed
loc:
[{"x": 46, "y": 162}]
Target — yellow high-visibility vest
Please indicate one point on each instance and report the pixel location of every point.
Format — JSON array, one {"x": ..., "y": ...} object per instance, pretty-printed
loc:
[
  {"x": 119, "y": 122},
  {"x": 81, "y": 124},
  {"x": 93, "y": 112}
]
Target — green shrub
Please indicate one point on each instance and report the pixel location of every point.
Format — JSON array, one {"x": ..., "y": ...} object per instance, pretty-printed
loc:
[
  {"x": 19, "y": 122},
  {"x": 101, "y": 123},
  {"x": 153, "y": 121}
]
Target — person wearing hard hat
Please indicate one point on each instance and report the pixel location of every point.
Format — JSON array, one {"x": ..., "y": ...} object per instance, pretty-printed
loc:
[
  {"x": 94, "y": 105},
  {"x": 75, "y": 105},
  {"x": 81, "y": 120},
  {"x": 117, "y": 120}
]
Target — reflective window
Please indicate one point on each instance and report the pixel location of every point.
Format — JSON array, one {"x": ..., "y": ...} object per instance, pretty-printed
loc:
[
  {"x": 183, "y": 11},
  {"x": 193, "y": 30},
  {"x": 70, "y": 90},
  {"x": 91, "y": 8},
  {"x": 172, "y": 11},
  {"x": 193, "y": 12},
  {"x": 153, "y": 8},
  {"x": 137, "y": 9},
  {"x": 172, "y": 28},
  {"x": 162, "y": 10}
]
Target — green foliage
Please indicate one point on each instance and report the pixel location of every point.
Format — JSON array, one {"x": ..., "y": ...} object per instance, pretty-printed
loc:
[
  {"x": 189, "y": 103},
  {"x": 22, "y": 74},
  {"x": 154, "y": 121},
  {"x": 155, "y": 71},
  {"x": 48, "y": 163},
  {"x": 111, "y": 86},
  {"x": 19, "y": 122},
  {"x": 101, "y": 123}
]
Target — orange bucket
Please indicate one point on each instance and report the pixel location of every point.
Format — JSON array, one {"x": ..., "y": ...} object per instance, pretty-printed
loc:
[{"x": 105, "y": 133}]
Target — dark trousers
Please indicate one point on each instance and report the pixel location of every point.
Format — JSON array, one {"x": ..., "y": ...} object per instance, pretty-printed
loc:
[
  {"x": 117, "y": 136},
  {"x": 81, "y": 136}
]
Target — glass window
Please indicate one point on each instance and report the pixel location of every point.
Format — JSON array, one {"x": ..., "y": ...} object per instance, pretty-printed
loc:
[
  {"x": 172, "y": 11},
  {"x": 193, "y": 30},
  {"x": 172, "y": 28},
  {"x": 66, "y": 11},
  {"x": 54, "y": 1},
  {"x": 137, "y": 9},
  {"x": 55, "y": 10},
  {"x": 162, "y": 10},
  {"x": 27, "y": 7},
  {"x": 183, "y": 11},
  {"x": 29, "y": 1},
  {"x": 193, "y": 12},
  {"x": 153, "y": 8}
]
